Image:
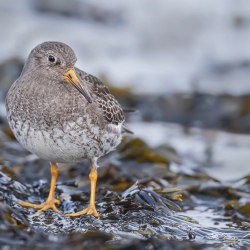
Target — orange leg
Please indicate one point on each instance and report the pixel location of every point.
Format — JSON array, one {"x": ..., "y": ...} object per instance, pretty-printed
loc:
[
  {"x": 91, "y": 209},
  {"x": 51, "y": 201}
]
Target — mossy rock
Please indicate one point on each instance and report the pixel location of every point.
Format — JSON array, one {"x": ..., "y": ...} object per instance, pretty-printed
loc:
[{"x": 137, "y": 150}]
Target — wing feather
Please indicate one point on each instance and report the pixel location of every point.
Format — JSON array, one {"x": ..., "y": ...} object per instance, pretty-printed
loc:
[{"x": 112, "y": 110}]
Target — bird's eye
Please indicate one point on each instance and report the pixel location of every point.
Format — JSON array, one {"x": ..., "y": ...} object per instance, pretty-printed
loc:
[{"x": 51, "y": 58}]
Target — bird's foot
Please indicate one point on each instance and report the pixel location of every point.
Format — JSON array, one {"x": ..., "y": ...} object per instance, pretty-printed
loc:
[
  {"x": 89, "y": 210},
  {"x": 50, "y": 203}
]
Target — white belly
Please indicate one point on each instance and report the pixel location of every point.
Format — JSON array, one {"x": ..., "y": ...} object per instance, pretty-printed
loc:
[{"x": 60, "y": 147}]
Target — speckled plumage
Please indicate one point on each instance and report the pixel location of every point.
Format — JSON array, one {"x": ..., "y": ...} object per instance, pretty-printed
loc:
[{"x": 52, "y": 119}]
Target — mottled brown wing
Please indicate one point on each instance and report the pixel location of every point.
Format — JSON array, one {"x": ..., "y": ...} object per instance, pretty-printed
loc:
[{"x": 112, "y": 110}]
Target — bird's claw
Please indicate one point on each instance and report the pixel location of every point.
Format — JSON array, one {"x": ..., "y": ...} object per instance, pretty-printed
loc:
[
  {"x": 50, "y": 203},
  {"x": 91, "y": 209}
]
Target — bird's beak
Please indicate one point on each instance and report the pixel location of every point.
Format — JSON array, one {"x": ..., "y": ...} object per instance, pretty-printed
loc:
[{"x": 71, "y": 78}]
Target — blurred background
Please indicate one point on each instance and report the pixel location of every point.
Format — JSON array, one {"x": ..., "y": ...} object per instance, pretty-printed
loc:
[{"x": 184, "y": 65}]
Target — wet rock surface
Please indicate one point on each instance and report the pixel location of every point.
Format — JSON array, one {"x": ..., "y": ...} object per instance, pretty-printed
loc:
[
  {"x": 224, "y": 111},
  {"x": 139, "y": 201}
]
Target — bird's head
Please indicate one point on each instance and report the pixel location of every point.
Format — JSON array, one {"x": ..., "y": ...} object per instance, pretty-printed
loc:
[{"x": 56, "y": 61}]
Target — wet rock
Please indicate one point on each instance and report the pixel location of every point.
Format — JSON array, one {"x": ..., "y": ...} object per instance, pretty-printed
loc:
[
  {"x": 203, "y": 110},
  {"x": 138, "y": 150},
  {"x": 244, "y": 210},
  {"x": 127, "y": 218},
  {"x": 196, "y": 109},
  {"x": 169, "y": 153},
  {"x": 215, "y": 189}
]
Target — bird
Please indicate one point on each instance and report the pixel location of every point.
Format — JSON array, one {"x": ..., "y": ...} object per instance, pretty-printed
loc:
[{"x": 63, "y": 115}]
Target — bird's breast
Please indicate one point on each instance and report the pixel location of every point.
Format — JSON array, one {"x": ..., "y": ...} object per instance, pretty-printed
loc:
[{"x": 58, "y": 125}]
